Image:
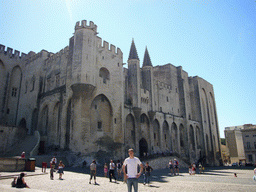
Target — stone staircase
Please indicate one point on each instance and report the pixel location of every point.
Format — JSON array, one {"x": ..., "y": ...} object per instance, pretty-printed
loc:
[{"x": 27, "y": 145}]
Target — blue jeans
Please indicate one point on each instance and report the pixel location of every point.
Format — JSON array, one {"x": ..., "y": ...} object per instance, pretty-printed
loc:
[
  {"x": 146, "y": 177},
  {"x": 132, "y": 182}
]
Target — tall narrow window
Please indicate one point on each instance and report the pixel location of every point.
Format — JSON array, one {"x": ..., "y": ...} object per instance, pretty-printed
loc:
[
  {"x": 33, "y": 83},
  {"x": 250, "y": 158},
  {"x": 57, "y": 79},
  {"x": 248, "y": 145}
]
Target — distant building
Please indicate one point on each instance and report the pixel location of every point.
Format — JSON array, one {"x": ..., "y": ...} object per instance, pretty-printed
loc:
[
  {"x": 224, "y": 151},
  {"x": 241, "y": 141},
  {"x": 83, "y": 93}
]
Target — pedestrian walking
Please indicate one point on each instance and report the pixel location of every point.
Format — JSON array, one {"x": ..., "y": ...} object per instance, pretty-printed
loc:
[
  {"x": 105, "y": 169},
  {"x": 119, "y": 169},
  {"x": 190, "y": 170},
  {"x": 44, "y": 166},
  {"x": 52, "y": 167},
  {"x": 176, "y": 166},
  {"x": 254, "y": 176},
  {"x": 93, "y": 172},
  {"x": 112, "y": 171},
  {"x": 53, "y": 162},
  {"x": 60, "y": 170},
  {"x": 147, "y": 171},
  {"x": 51, "y": 173},
  {"x": 132, "y": 174},
  {"x": 193, "y": 168},
  {"x": 171, "y": 167},
  {"x": 200, "y": 168}
]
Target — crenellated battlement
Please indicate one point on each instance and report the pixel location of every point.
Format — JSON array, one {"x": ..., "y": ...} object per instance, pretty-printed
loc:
[
  {"x": 9, "y": 51},
  {"x": 52, "y": 57},
  {"x": 112, "y": 48},
  {"x": 32, "y": 56},
  {"x": 83, "y": 25}
]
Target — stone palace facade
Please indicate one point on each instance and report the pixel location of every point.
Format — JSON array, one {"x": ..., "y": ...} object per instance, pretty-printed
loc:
[{"x": 83, "y": 93}]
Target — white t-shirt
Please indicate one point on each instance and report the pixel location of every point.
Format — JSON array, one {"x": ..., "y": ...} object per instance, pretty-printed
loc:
[
  {"x": 111, "y": 166},
  {"x": 54, "y": 160},
  {"x": 132, "y": 166}
]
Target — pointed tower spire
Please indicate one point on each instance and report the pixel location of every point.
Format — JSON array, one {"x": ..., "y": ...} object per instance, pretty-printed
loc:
[
  {"x": 133, "y": 52},
  {"x": 146, "y": 60}
]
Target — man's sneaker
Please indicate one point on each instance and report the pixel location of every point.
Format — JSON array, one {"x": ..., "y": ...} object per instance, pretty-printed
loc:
[{"x": 89, "y": 182}]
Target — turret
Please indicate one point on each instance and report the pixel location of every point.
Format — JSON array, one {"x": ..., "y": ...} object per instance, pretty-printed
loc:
[
  {"x": 134, "y": 76},
  {"x": 84, "y": 56},
  {"x": 147, "y": 76}
]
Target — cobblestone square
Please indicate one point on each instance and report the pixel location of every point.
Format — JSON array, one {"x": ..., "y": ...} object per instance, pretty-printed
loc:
[{"x": 77, "y": 179}]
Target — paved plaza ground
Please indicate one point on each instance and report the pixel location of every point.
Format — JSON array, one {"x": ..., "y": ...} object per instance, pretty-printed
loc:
[{"x": 76, "y": 179}]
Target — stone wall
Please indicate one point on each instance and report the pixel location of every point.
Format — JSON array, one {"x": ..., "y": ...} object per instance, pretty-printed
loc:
[
  {"x": 12, "y": 164},
  {"x": 9, "y": 136}
]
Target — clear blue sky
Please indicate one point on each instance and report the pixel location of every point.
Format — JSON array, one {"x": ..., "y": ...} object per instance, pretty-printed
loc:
[{"x": 215, "y": 40}]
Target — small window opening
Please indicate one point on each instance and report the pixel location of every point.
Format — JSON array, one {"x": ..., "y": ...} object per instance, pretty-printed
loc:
[
  {"x": 14, "y": 91},
  {"x": 99, "y": 124}
]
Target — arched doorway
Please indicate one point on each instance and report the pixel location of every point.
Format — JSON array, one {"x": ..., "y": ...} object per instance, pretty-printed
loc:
[
  {"x": 101, "y": 117},
  {"x": 143, "y": 147}
]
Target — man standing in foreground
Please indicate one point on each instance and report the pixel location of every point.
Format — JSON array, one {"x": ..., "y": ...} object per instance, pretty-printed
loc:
[{"x": 132, "y": 174}]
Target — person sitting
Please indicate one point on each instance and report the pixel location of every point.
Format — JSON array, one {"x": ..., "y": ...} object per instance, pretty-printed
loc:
[{"x": 20, "y": 183}]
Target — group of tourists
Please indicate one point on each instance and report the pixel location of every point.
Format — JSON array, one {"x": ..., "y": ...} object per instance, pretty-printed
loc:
[
  {"x": 174, "y": 167},
  {"x": 59, "y": 170}
]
